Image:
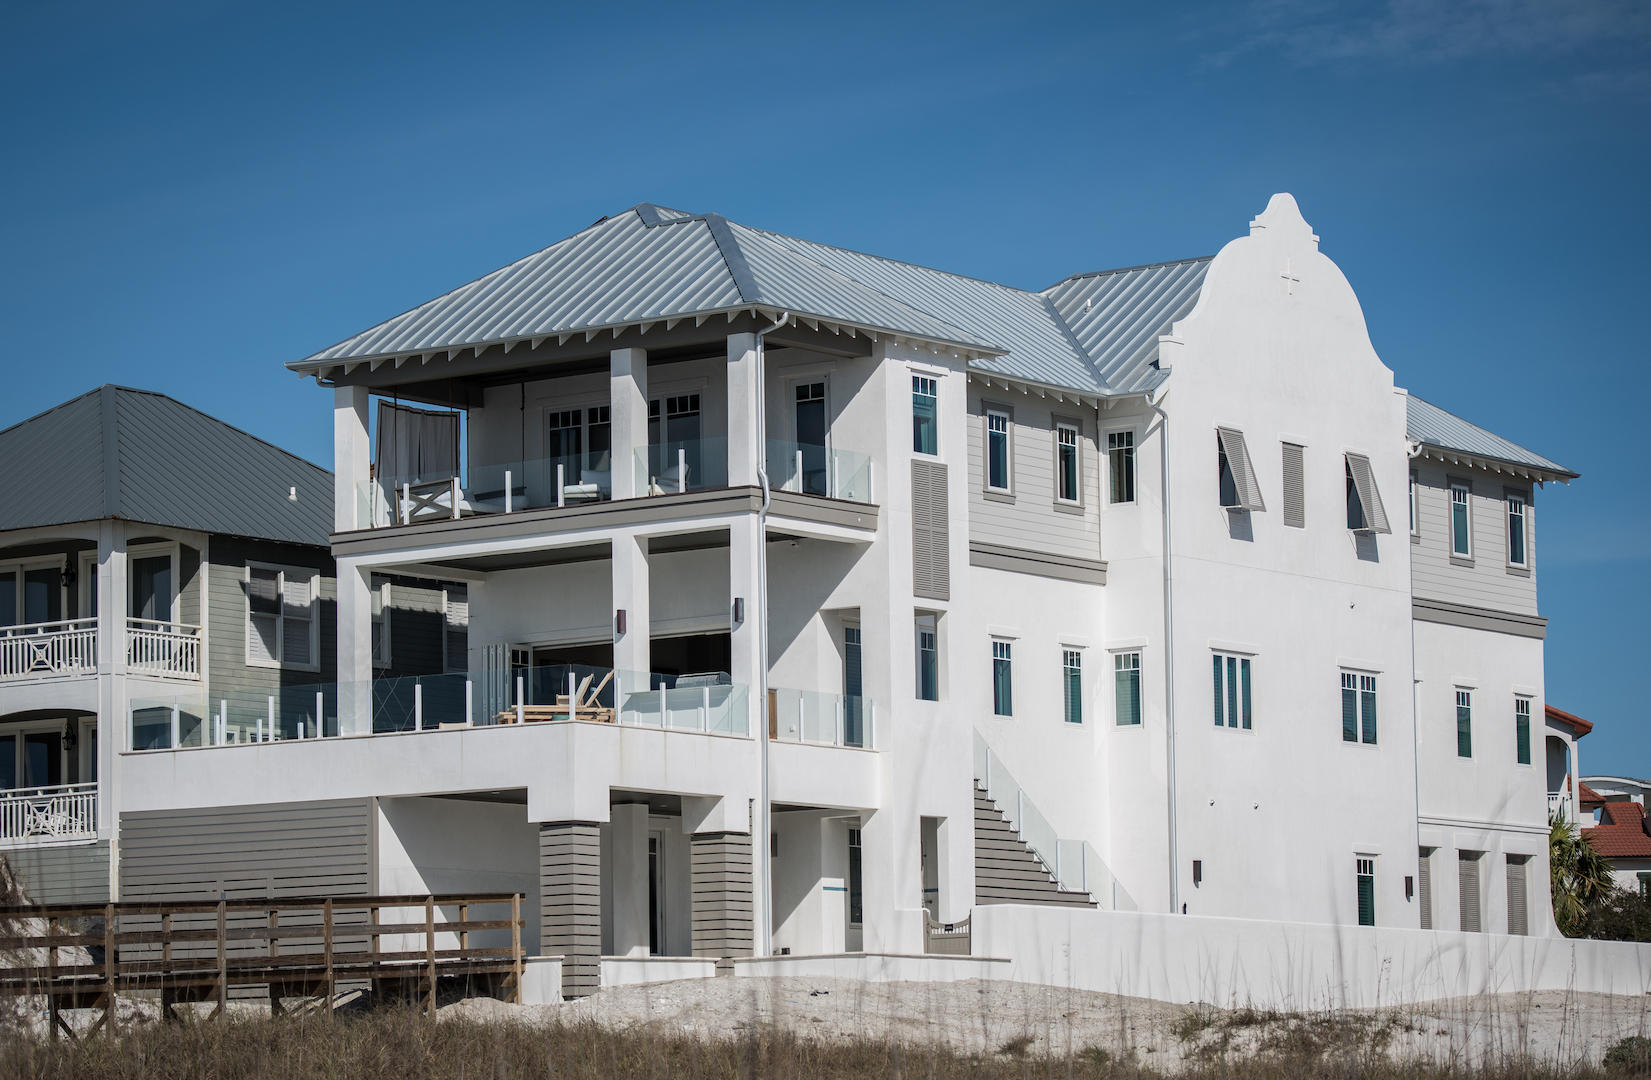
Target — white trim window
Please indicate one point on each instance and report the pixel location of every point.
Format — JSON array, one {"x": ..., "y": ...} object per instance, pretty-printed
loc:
[
  {"x": 1461, "y": 519},
  {"x": 1415, "y": 518},
  {"x": 1232, "y": 691},
  {"x": 1068, "y": 464},
  {"x": 1072, "y": 685},
  {"x": 1464, "y": 723},
  {"x": 281, "y": 627},
  {"x": 1120, "y": 454},
  {"x": 1518, "y": 534},
  {"x": 925, "y": 415},
  {"x": 1126, "y": 688},
  {"x": 999, "y": 452},
  {"x": 928, "y": 658},
  {"x": 1365, "y": 876},
  {"x": 1358, "y": 708},
  {"x": 1234, "y": 472},
  {"x": 455, "y": 627},
  {"x": 1522, "y": 729},
  {"x": 1003, "y": 687},
  {"x": 381, "y": 623}
]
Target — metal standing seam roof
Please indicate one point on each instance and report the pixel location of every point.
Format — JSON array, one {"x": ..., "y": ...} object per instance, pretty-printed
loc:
[
  {"x": 1117, "y": 316},
  {"x": 1432, "y": 426},
  {"x": 146, "y": 457}
]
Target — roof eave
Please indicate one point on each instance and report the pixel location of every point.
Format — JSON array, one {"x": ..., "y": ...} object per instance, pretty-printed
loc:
[{"x": 1517, "y": 469}]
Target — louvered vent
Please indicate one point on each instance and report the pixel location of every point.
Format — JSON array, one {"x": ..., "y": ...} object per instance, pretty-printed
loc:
[
  {"x": 1467, "y": 871},
  {"x": 1295, "y": 493},
  {"x": 931, "y": 531}
]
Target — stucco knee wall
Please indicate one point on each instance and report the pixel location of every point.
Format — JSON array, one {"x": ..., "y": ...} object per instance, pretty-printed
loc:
[{"x": 1297, "y": 966}]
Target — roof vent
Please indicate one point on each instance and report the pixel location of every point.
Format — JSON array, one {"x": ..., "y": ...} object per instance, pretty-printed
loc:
[{"x": 292, "y": 494}]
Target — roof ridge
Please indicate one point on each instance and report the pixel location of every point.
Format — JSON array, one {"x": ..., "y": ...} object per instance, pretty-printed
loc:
[
  {"x": 221, "y": 423},
  {"x": 1125, "y": 270},
  {"x": 53, "y": 408}
]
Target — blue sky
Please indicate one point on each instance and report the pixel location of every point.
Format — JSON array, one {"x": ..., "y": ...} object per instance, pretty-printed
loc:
[{"x": 196, "y": 193}]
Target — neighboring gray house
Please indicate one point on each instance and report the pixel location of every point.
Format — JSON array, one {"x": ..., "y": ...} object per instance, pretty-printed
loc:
[{"x": 165, "y": 579}]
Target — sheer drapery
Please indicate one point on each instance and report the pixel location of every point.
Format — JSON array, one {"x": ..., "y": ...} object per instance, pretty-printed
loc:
[{"x": 415, "y": 445}]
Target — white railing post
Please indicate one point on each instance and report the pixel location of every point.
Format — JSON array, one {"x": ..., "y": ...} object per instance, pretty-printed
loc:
[
  {"x": 705, "y": 708},
  {"x": 662, "y": 722},
  {"x": 271, "y": 731},
  {"x": 798, "y": 477},
  {"x": 837, "y": 740},
  {"x": 406, "y": 514},
  {"x": 320, "y": 715},
  {"x": 834, "y": 481},
  {"x": 572, "y": 704},
  {"x": 177, "y": 728},
  {"x": 418, "y": 706},
  {"x": 223, "y": 721},
  {"x": 560, "y": 492},
  {"x": 469, "y": 702},
  {"x": 681, "y": 469},
  {"x": 871, "y": 478},
  {"x": 520, "y": 710},
  {"x": 508, "y": 508}
]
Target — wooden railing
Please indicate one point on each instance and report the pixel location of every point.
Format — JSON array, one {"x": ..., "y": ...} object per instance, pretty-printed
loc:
[
  {"x": 64, "y": 812},
  {"x": 83, "y": 956},
  {"x": 168, "y": 649},
  {"x": 42, "y": 650}
]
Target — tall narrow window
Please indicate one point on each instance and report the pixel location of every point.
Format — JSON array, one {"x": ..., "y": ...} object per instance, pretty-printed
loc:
[
  {"x": 1120, "y": 456},
  {"x": 1467, "y": 891},
  {"x": 1003, "y": 693},
  {"x": 1067, "y": 469},
  {"x": 1358, "y": 707},
  {"x": 855, "y": 894},
  {"x": 1072, "y": 684},
  {"x": 809, "y": 419},
  {"x": 928, "y": 659},
  {"x": 1516, "y": 529},
  {"x": 1518, "y": 922},
  {"x": 1126, "y": 688},
  {"x": 1365, "y": 868},
  {"x": 565, "y": 443},
  {"x": 1295, "y": 486},
  {"x": 599, "y": 441},
  {"x": 854, "y": 709},
  {"x": 1464, "y": 723},
  {"x": 1424, "y": 886},
  {"x": 1461, "y": 540},
  {"x": 925, "y": 410},
  {"x": 1522, "y": 729},
  {"x": 381, "y": 624},
  {"x": 455, "y": 605},
  {"x": 997, "y": 450},
  {"x": 1415, "y": 529},
  {"x": 1232, "y": 691}
]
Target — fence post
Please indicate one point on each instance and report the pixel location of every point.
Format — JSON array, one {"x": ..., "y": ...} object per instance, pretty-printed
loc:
[
  {"x": 109, "y": 968},
  {"x": 326, "y": 948},
  {"x": 516, "y": 944},
  {"x": 430, "y": 951},
  {"x": 320, "y": 715},
  {"x": 406, "y": 503},
  {"x": 223, "y": 957},
  {"x": 561, "y": 493},
  {"x": 705, "y": 708},
  {"x": 572, "y": 704}
]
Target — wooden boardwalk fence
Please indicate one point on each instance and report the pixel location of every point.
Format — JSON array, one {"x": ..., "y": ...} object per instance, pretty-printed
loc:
[{"x": 84, "y": 956}]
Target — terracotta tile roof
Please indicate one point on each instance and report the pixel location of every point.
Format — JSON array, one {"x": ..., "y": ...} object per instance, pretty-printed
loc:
[
  {"x": 1571, "y": 720},
  {"x": 1621, "y": 833},
  {"x": 1588, "y": 795}
]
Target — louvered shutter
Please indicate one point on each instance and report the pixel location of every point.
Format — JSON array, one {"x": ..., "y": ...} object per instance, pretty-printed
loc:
[
  {"x": 297, "y": 617},
  {"x": 931, "y": 531},
  {"x": 1295, "y": 492},
  {"x": 457, "y": 629},
  {"x": 263, "y": 615},
  {"x": 1247, "y": 492},
  {"x": 1467, "y": 876},
  {"x": 1517, "y": 922},
  {"x": 1424, "y": 887},
  {"x": 1370, "y": 500}
]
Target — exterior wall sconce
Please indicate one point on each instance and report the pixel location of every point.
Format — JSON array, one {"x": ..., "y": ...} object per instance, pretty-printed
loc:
[
  {"x": 619, "y": 622},
  {"x": 1409, "y": 887},
  {"x": 1197, "y": 872},
  {"x": 739, "y": 610}
]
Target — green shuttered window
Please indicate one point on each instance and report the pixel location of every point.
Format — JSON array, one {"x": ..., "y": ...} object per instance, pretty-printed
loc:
[
  {"x": 1072, "y": 684},
  {"x": 1232, "y": 690},
  {"x": 1358, "y": 708},
  {"x": 925, "y": 409},
  {"x": 1522, "y": 728},
  {"x": 1366, "y": 868},
  {"x": 1003, "y": 695},
  {"x": 1126, "y": 687},
  {"x": 1464, "y": 723},
  {"x": 1461, "y": 540}
]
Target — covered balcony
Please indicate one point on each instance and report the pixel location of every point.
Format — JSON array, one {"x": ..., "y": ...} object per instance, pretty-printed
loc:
[{"x": 48, "y": 778}]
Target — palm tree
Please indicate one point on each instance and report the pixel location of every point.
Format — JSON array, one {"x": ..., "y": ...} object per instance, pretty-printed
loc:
[{"x": 1578, "y": 874}]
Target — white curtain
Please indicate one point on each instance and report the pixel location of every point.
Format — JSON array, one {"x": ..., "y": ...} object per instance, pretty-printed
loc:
[{"x": 416, "y": 444}]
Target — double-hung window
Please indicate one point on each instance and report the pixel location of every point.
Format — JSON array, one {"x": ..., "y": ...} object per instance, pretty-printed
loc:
[
  {"x": 1126, "y": 688},
  {"x": 925, "y": 411},
  {"x": 1522, "y": 729},
  {"x": 1464, "y": 723},
  {"x": 1068, "y": 468},
  {"x": 281, "y": 623},
  {"x": 1120, "y": 455},
  {"x": 997, "y": 451},
  {"x": 1365, "y": 868},
  {"x": 1358, "y": 707},
  {"x": 1516, "y": 529},
  {"x": 1232, "y": 690},
  {"x": 1072, "y": 685},
  {"x": 1003, "y": 691},
  {"x": 1461, "y": 529},
  {"x": 928, "y": 659}
]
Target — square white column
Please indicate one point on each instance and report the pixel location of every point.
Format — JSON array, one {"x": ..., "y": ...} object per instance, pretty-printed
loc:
[
  {"x": 355, "y": 649},
  {"x": 352, "y": 456},
  {"x": 632, "y": 657},
  {"x": 628, "y": 415},
  {"x": 628, "y": 831},
  {"x": 743, "y": 448}
]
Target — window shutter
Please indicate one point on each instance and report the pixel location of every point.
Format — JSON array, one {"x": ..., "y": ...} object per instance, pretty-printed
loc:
[
  {"x": 1364, "y": 482},
  {"x": 931, "y": 532},
  {"x": 1424, "y": 887},
  {"x": 1367, "y": 900},
  {"x": 264, "y": 615},
  {"x": 263, "y": 638},
  {"x": 295, "y": 620},
  {"x": 458, "y": 629},
  {"x": 1243, "y": 473},
  {"x": 1295, "y": 494},
  {"x": 1517, "y": 922},
  {"x": 1468, "y": 890}
]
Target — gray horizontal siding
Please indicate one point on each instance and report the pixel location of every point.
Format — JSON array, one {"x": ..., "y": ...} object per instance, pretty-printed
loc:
[
  {"x": 1006, "y": 870},
  {"x": 1032, "y": 517},
  {"x": 227, "y": 669},
  {"x": 1486, "y": 583},
  {"x": 62, "y": 873}
]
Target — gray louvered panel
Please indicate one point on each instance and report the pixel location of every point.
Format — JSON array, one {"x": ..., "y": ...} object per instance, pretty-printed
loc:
[
  {"x": 1295, "y": 491},
  {"x": 1467, "y": 881},
  {"x": 1370, "y": 497},
  {"x": 721, "y": 884},
  {"x": 570, "y": 902},
  {"x": 63, "y": 873},
  {"x": 1518, "y": 921},
  {"x": 1424, "y": 887},
  {"x": 1232, "y": 445},
  {"x": 931, "y": 531}
]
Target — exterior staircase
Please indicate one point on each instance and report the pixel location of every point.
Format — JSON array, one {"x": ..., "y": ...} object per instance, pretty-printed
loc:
[{"x": 1007, "y": 870}]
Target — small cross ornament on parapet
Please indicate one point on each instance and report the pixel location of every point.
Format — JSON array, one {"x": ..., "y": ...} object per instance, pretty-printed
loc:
[{"x": 1291, "y": 281}]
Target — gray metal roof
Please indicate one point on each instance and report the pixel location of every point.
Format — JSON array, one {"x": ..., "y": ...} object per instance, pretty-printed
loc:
[
  {"x": 145, "y": 457},
  {"x": 1117, "y": 316},
  {"x": 1434, "y": 427}
]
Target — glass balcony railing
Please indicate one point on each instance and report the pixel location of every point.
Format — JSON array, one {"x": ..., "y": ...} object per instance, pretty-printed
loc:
[
  {"x": 670, "y": 468},
  {"x": 818, "y": 470},
  {"x": 487, "y": 488},
  {"x": 825, "y": 719},
  {"x": 708, "y": 703}
]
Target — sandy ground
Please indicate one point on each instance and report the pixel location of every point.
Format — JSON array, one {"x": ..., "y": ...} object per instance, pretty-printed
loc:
[{"x": 985, "y": 1017}]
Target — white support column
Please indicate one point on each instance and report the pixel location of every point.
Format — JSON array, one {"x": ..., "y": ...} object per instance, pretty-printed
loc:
[
  {"x": 628, "y": 830},
  {"x": 114, "y": 720},
  {"x": 631, "y": 653},
  {"x": 628, "y": 413},
  {"x": 351, "y": 458},
  {"x": 746, "y": 666},
  {"x": 743, "y": 450},
  {"x": 355, "y": 649}
]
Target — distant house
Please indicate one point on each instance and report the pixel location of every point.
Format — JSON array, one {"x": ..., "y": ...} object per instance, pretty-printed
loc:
[{"x": 1620, "y": 831}]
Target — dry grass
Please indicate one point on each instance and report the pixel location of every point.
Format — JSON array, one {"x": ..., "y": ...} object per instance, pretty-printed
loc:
[{"x": 382, "y": 1044}]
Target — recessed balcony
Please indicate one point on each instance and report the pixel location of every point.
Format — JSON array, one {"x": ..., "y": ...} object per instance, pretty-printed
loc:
[{"x": 67, "y": 648}]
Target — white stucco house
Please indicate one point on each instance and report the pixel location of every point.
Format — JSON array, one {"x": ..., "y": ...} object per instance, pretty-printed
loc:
[{"x": 815, "y": 600}]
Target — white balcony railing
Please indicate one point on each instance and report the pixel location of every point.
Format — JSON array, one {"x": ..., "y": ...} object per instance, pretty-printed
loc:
[
  {"x": 167, "y": 649},
  {"x": 48, "y": 649},
  {"x": 64, "y": 812},
  {"x": 1559, "y": 802}
]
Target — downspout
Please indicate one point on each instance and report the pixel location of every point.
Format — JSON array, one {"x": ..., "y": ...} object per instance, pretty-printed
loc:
[
  {"x": 763, "y": 944},
  {"x": 1169, "y": 653},
  {"x": 1412, "y": 451}
]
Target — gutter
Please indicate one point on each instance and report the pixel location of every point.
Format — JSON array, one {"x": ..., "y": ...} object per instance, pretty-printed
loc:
[{"x": 762, "y": 916}]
